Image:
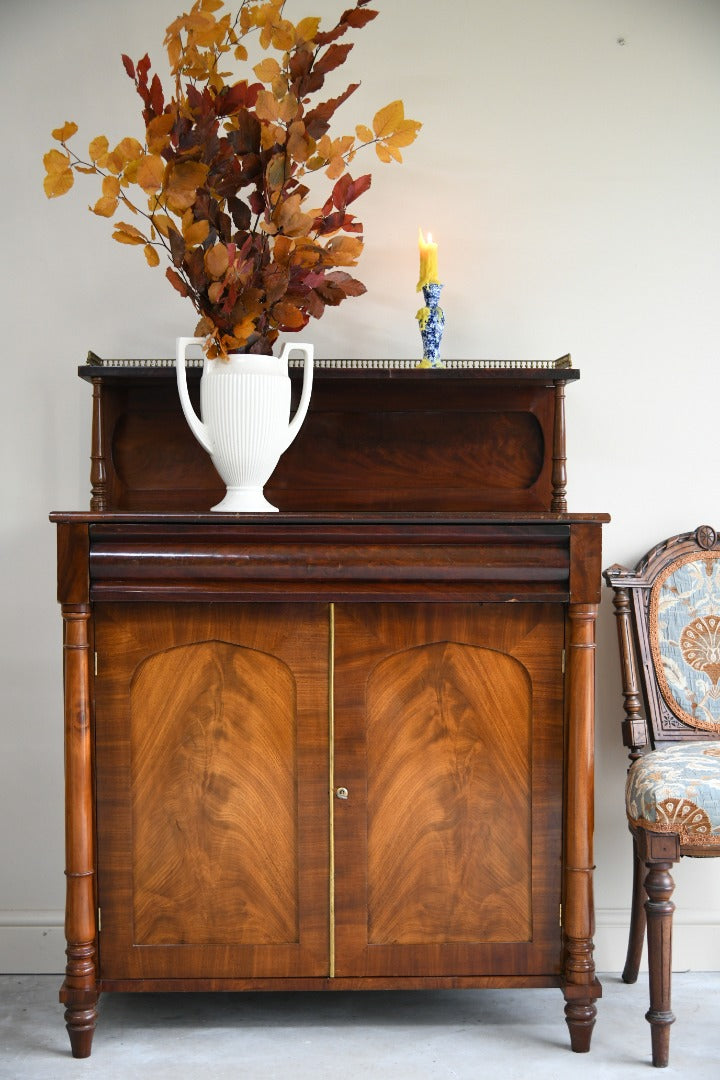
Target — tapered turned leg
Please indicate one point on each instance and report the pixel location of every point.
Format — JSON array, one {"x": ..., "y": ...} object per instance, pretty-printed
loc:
[
  {"x": 659, "y": 907},
  {"x": 637, "y": 921},
  {"x": 580, "y": 1018}
]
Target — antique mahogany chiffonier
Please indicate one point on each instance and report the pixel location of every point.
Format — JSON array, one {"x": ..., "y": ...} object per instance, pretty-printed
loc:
[{"x": 348, "y": 745}]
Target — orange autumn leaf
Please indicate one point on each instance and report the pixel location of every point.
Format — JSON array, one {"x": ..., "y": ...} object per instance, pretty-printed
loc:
[
  {"x": 105, "y": 206},
  {"x": 344, "y": 250},
  {"x": 111, "y": 187},
  {"x": 128, "y": 234},
  {"x": 153, "y": 259},
  {"x": 267, "y": 70},
  {"x": 196, "y": 233},
  {"x": 62, "y": 134},
  {"x": 158, "y": 131},
  {"x": 59, "y": 177},
  {"x": 150, "y": 173},
  {"x": 217, "y": 260},
  {"x": 288, "y": 317},
  {"x": 98, "y": 148}
]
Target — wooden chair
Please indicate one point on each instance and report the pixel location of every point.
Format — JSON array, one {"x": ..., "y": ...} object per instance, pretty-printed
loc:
[{"x": 668, "y": 620}]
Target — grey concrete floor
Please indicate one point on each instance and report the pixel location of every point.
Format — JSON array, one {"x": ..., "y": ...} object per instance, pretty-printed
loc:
[{"x": 430, "y": 1035}]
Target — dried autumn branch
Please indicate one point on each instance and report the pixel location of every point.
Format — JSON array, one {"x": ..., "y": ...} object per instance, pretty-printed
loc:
[{"x": 221, "y": 182}]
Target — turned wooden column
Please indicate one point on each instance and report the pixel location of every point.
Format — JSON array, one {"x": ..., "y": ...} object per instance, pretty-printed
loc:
[
  {"x": 79, "y": 991},
  {"x": 580, "y": 985},
  {"x": 98, "y": 471},
  {"x": 559, "y": 454}
]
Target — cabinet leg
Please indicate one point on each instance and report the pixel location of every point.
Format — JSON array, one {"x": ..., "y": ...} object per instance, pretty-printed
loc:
[
  {"x": 79, "y": 992},
  {"x": 580, "y": 1016},
  {"x": 80, "y": 1024}
]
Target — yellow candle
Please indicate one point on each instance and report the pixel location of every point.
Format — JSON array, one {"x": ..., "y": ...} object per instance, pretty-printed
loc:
[{"x": 428, "y": 261}]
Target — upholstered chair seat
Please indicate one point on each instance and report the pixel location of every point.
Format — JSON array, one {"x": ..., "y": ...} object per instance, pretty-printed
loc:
[{"x": 677, "y": 790}]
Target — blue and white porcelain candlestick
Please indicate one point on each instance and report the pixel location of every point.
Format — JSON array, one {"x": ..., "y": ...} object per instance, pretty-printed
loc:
[{"x": 432, "y": 323}]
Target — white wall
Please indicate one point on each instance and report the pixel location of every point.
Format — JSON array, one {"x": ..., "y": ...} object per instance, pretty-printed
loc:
[{"x": 572, "y": 183}]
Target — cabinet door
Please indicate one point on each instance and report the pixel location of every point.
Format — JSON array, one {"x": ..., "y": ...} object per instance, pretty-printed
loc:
[
  {"x": 448, "y": 731},
  {"x": 212, "y": 790}
]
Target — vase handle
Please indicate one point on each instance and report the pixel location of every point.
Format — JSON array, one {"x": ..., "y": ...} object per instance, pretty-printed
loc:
[
  {"x": 301, "y": 411},
  {"x": 196, "y": 425}
]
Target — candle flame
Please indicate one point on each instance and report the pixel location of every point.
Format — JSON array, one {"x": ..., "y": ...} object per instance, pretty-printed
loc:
[{"x": 429, "y": 238}]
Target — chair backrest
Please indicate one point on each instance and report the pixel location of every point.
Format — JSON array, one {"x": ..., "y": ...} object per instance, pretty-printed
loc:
[{"x": 668, "y": 612}]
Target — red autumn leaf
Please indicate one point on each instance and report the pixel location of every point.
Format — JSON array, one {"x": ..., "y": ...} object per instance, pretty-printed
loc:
[
  {"x": 157, "y": 101},
  {"x": 332, "y": 58},
  {"x": 176, "y": 281},
  {"x": 143, "y": 67},
  {"x": 129, "y": 66},
  {"x": 317, "y": 121},
  {"x": 347, "y": 190},
  {"x": 357, "y": 18}
]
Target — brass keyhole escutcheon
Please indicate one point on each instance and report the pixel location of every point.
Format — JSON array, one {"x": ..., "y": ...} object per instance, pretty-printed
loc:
[{"x": 342, "y": 793}]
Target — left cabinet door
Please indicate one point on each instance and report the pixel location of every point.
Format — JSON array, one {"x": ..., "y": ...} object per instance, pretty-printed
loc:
[{"x": 211, "y": 742}]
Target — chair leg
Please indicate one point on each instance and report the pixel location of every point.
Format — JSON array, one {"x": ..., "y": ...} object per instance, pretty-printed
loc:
[
  {"x": 637, "y": 920},
  {"x": 659, "y": 907}
]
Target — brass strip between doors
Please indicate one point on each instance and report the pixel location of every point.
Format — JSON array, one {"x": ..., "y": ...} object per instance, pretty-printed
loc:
[{"x": 331, "y": 792}]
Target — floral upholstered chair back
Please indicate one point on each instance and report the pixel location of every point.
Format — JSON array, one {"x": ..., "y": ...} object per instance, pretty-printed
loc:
[{"x": 684, "y": 634}]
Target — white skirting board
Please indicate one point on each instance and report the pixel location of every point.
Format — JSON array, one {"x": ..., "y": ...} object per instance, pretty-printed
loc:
[{"x": 33, "y": 942}]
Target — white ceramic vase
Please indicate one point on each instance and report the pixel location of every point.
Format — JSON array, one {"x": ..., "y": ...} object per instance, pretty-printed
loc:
[{"x": 245, "y": 426}]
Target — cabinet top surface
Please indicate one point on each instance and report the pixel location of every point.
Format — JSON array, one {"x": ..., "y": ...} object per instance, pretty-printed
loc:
[
  {"x": 319, "y": 519},
  {"x": 517, "y": 371}
]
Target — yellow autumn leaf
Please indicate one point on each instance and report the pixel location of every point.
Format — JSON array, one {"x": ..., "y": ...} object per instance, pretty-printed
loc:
[
  {"x": 283, "y": 35},
  {"x": 404, "y": 134},
  {"x": 384, "y": 153},
  {"x": 336, "y": 167},
  {"x": 306, "y": 29},
  {"x": 58, "y": 183},
  {"x": 150, "y": 173},
  {"x": 151, "y": 255},
  {"x": 217, "y": 260},
  {"x": 196, "y": 233},
  {"x": 63, "y": 133},
  {"x": 105, "y": 206},
  {"x": 128, "y": 234},
  {"x": 56, "y": 162},
  {"x": 388, "y": 119},
  {"x": 267, "y": 69},
  {"x": 240, "y": 52},
  {"x": 111, "y": 187},
  {"x": 128, "y": 150},
  {"x": 98, "y": 148},
  {"x": 364, "y": 134}
]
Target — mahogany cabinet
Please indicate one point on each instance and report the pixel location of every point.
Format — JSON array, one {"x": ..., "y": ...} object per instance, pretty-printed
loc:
[{"x": 342, "y": 747}]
